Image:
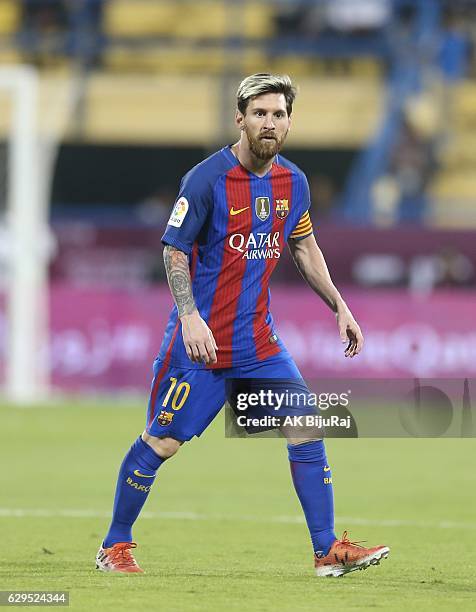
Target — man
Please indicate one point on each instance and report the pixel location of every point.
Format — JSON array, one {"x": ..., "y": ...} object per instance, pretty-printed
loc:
[{"x": 227, "y": 230}]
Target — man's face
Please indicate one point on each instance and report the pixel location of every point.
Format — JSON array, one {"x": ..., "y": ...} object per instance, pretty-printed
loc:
[{"x": 266, "y": 124}]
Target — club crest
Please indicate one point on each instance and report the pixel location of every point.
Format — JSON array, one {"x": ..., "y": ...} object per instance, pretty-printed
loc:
[
  {"x": 165, "y": 418},
  {"x": 262, "y": 207},
  {"x": 282, "y": 208}
]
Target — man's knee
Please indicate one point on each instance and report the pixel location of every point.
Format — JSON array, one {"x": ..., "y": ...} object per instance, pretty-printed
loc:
[
  {"x": 301, "y": 434},
  {"x": 164, "y": 447}
]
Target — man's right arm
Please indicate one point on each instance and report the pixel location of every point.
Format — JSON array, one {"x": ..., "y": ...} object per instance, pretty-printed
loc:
[{"x": 197, "y": 336}]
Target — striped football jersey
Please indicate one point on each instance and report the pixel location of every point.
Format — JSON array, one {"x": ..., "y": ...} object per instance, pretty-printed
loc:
[{"x": 234, "y": 225}]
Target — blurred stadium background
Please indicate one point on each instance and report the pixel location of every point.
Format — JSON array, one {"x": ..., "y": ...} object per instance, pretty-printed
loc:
[
  {"x": 132, "y": 93},
  {"x": 104, "y": 105}
]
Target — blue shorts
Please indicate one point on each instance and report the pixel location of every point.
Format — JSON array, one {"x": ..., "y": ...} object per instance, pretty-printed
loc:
[{"x": 183, "y": 402}]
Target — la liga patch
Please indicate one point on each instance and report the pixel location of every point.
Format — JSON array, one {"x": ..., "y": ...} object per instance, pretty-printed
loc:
[{"x": 179, "y": 212}]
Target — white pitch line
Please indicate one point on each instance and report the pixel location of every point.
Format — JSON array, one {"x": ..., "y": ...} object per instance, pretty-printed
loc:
[{"x": 193, "y": 516}]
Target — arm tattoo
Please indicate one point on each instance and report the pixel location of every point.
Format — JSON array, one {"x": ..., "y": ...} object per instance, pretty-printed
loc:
[{"x": 180, "y": 283}]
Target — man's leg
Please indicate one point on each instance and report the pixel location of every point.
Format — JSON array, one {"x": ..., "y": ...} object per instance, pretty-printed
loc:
[
  {"x": 182, "y": 404},
  {"x": 311, "y": 475},
  {"x": 313, "y": 483},
  {"x": 136, "y": 477},
  {"x": 312, "y": 480}
]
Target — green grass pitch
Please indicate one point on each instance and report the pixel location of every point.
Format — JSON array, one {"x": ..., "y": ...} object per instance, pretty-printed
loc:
[{"x": 222, "y": 528}]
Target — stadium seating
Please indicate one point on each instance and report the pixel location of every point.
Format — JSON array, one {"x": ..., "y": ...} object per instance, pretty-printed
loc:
[
  {"x": 169, "y": 36},
  {"x": 109, "y": 100},
  {"x": 209, "y": 19},
  {"x": 140, "y": 18},
  {"x": 145, "y": 53},
  {"x": 141, "y": 109},
  {"x": 454, "y": 188},
  {"x": 10, "y": 13}
]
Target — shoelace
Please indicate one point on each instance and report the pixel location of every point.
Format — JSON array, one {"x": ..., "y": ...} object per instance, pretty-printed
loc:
[
  {"x": 123, "y": 550},
  {"x": 345, "y": 540}
]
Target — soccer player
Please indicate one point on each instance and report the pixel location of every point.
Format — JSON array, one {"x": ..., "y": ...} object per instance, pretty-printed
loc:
[{"x": 233, "y": 215}]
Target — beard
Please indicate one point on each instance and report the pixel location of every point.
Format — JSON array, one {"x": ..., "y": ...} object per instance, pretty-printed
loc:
[{"x": 265, "y": 149}]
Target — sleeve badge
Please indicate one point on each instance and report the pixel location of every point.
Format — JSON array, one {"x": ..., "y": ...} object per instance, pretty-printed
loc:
[{"x": 179, "y": 212}]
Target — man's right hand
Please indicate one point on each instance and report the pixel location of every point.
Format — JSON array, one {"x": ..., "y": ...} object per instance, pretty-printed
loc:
[{"x": 198, "y": 339}]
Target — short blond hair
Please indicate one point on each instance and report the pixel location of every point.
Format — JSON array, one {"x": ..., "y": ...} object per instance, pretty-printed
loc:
[{"x": 263, "y": 83}]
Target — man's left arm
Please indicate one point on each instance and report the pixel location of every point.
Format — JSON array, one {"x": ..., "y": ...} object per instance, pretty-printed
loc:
[{"x": 310, "y": 262}]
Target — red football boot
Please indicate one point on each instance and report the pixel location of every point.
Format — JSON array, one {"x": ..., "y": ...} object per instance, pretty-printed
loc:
[
  {"x": 118, "y": 558},
  {"x": 346, "y": 556}
]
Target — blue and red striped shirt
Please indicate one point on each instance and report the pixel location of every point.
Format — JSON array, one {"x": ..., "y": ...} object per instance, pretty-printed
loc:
[{"x": 233, "y": 225}]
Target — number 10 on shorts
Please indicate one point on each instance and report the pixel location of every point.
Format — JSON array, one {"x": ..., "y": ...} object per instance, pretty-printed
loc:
[{"x": 180, "y": 395}]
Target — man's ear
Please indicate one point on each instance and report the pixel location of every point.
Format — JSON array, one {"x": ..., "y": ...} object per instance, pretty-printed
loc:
[
  {"x": 290, "y": 122},
  {"x": 239, "y": 119}
]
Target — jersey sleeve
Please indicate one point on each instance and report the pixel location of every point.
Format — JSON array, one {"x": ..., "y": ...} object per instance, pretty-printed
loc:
[
  {"x": 303, "y": 228},
  {"x": 190, "y": 211}
]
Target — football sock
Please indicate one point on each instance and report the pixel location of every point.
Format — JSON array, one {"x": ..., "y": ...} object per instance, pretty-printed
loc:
[
  {"x": 313, "y": 483},
  {"x": 136, "y": 476}
]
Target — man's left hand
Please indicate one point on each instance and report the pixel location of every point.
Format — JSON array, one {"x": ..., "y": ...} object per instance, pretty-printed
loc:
[{"x": 350, "y": 332}]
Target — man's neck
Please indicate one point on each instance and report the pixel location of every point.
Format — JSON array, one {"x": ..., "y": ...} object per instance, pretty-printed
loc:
[{"x": 248, "y": 159}]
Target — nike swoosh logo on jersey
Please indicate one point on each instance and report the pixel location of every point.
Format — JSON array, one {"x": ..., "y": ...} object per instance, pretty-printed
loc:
[
  {"x": 237, "y": 212},
  {"x": 327, "y": 469},
  {"x": 137, "y": 473}
]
